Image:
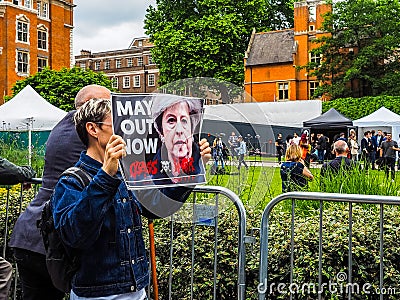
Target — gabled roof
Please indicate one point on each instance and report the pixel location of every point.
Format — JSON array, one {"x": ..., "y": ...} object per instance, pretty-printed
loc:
[
  {"x": 271, "y": 48},
  {"x": 332, "y": 118},
  {"x": 380, "y": 117}
]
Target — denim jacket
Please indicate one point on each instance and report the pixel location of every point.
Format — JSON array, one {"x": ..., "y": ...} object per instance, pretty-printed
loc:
[{"x": 103, "y": 223}]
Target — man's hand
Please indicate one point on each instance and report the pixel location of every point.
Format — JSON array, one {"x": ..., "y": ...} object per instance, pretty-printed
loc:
[
  {"x": 205, "y": 150},
  {"x": 115, "y": 150}
]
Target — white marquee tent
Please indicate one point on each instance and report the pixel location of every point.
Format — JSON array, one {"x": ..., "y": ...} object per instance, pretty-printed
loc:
[
  {"x": 383, "y": 119},
  {"x": 28, "y": 111}
]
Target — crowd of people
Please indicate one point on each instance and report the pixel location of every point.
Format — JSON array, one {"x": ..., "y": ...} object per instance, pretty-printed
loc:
[{"x": 377, "y": 151}]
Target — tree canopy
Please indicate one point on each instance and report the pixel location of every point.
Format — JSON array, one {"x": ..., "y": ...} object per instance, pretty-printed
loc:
[
  {"x": 60, "y": 87},
  {"x": 360, "y": 52},
  {"x": 208, "y": 38}
]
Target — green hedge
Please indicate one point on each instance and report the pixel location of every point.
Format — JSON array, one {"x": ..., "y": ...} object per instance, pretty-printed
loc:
[{"x": 356, "y": 108}]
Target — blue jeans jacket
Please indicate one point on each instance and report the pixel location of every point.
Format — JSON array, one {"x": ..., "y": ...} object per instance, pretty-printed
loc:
[{"x": 103, "y": 222}]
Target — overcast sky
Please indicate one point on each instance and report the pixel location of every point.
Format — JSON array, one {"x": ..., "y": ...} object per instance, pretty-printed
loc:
[{"x": 101, "y": 25}]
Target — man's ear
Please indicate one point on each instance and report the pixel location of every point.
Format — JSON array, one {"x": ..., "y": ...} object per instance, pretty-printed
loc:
[{"x": 92, "y": 129}]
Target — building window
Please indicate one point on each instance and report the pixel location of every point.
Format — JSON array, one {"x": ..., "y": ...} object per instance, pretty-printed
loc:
[
  {"x": 140, "y": 61},
  {"x": 107, "y": 65},
  {"x": 38, "y": 8},
  {"x": 313, "y": 88},
  {"x": 140, "y": 43},
  {"x": 312, "y": 10},
  {"x": 315, "y": 59},
  {"x": 126, "y": 82},
  {"x": 151, "y": 80},
  {"x": 27, "y": 3},
  {"x": 16, "y": 2},
  {"x": 42, "y": 63},
  {"x": 82, "y": 66},
  {"x": 114, "y": 82},
  {"x": 42, "y": 39},
  {"x": 22, "y": 62},
  {"x": 97, "y": 65},
  {"x": 150, "y": 60},
  {"x": 45, "y": 12},
  {"x": 22, "y": 31},
  {"x": 136, "y": 81},
  {"x": 283, "y": 91},
  {"x": 118, "y": 63},
  {"x": 129, "y": 62}
]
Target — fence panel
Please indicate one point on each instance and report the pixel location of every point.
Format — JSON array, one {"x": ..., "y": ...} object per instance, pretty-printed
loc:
[{"x": 351, "y": 199}]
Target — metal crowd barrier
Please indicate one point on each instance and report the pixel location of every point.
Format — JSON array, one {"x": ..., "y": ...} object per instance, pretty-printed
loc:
[
  {"x": 321, "y": 197},
  {"x": 217, "y": 191}
]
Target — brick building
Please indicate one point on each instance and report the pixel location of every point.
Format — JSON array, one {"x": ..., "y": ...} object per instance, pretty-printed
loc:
[
  {"x": 130, "y": 70},
  {"x": 33, "y": 34},
  {"x": 272, "y": 57}
]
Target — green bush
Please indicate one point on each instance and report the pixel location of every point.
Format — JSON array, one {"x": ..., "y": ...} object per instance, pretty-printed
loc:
[{"x": 350, "y": 107}]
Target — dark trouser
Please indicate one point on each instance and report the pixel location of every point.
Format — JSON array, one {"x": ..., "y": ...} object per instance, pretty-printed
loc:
[
  {"x": 389, "y": 164},
  {"x": 373, "y": 159},
  {"x": 241, "y": 161},
  {"x": 5, "y": 278},
  {"x": 367, "y": 160},
  {"x": 280, "y": 154},
  {"x": 35, "y": 280}
]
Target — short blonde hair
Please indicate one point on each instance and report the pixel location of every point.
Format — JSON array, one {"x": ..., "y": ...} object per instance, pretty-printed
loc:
[
  {"x": 293, "y": 153},
  {"x": 94, "y": 110}
]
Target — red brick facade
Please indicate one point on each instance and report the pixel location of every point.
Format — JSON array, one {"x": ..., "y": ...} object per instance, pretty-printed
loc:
[
  {"x": 131, "y": 70},
  {"x": 34, "y": 34},
  {"x": 276, "y": 76}
]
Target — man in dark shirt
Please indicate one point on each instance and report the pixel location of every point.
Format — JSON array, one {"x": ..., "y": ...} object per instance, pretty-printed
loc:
[
  {"x": 63, "y": 149},
  {"x": 10, "y": 174},
  {"x": 366, "y": 149},
  {"x": 340, "y": 162},
  {"x": 388, "y": 152},
  {"x": 279, "y": 147}
]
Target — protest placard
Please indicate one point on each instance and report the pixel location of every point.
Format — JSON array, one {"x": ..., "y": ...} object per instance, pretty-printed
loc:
[{"x": 161, "y": 132}]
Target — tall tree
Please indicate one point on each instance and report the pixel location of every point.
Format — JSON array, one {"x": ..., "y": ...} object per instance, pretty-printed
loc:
[
  {"x": 60, "y": 87},
  {"x": 360, "y": 52},
  {"x": 208, "y": 38}
]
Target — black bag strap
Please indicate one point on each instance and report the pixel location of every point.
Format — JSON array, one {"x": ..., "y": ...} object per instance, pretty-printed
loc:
[{"x": 80, "y": 174}]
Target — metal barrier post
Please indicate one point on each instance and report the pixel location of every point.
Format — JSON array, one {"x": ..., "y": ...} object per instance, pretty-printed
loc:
[{"x": 321, "y": 197}]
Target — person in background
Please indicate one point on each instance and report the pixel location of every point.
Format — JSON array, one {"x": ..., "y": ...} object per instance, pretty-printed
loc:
[
  {"x": 63, "y": 148},
  {"x": 10, "y": 174},
  {"x": 366, "y": 149},
  {"x": 241, "y": 150},
  {"x": 217, "y": 153},
  {"x": 294, "y": 173},
  {"x": 305, "y": 150},
  {"x": 354, "y": 147},
  {"x": 233, "y": 143},
  {"x": 388, "y": 152},
  {"x": 340, "y": 163},
  {"x": 322, "y": 146},
  {"x": 279, "y": 147},
  {"x": 296, "y": 138}
]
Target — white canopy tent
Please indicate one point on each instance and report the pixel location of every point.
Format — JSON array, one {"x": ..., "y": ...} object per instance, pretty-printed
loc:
[
  {"x": 28, "y": 111},
  {"x": 288, "y": 113},
  {"x": 383, "y": 119}
]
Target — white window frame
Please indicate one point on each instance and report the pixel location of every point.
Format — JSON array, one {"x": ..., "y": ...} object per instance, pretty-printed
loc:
[
  {"x": 44, "y": 31},
  {"x": 107, "y": 65},
  {"x": 114, "y": 82},
  {"x": 18, "y": 2},
  {"x": 150, "y": 60},
  {"x": 82, "y": 66},
  {"x": 126, "y": 82},
  {"x": 28, "y": 3},
  {"x": 45, "y": 10},
  {"x": 129, "y": 62},
  {"x": 118, "y": 63},
  {"x": 20, "y": 64},
  {"x": 42, "y": 67},
  {"x": 315, "y": 58},
  {"x": 136, "y": 81},
  {"x": 313, "y": 85},
  {"x": 97, "y": 65},
  {"x": 39, "y": 8},
  {"x": 151, "y": 79},
  {"x": 140, "y": 61},
  {"x": 24, "y": 34},
  {"x": 283, "y": 90},
  {"x": 140, "y": 43}
]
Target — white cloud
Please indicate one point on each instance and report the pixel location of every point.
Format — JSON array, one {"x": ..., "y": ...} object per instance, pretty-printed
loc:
[{"x": 102, "y": 25}]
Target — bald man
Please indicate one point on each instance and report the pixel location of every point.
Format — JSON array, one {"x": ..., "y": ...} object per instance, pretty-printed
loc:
[
  {"x": 63, "y": 149},
  {"x": 340, "y": 162}
]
